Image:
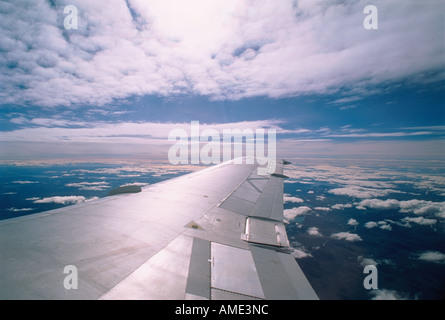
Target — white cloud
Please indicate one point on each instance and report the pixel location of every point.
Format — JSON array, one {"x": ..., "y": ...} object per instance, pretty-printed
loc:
[
  {"x": 24, "y": 182},
  {"x": 121, "y": 138},
  {"x": 366, "y": 261},
  {"x": 422, "y": 207},
  {"x": 386, "y": 227},
  {"x": 385, "y": 294},
  {"x": 362, "y": 192},
  {"x": 370, "y": 261},
  {"x": 129, "y": 175},
  {"x": 420, "y": 220},
  {"x": 377, "y": 135},
  {"x": 95, "y": 186},
  {"x": 300, "y": 253},
  {"x": 371, "y": 224},
  {"x": 341, "y": 206},
  {"x": 125, "y": 132},
  {"x": 380, "y": 204},
  {"x": 64, "y": 199},
  {"x": 19, "y": 209},
  {"x": 289, "y": 198},
  {"x": 291, "y": 214},
  {"x": 346, "y": 236},
  {"x": 352, "y": 222},
  {"x": 418, "y": 207},
  {"x": 432, "y": 256},
  {"x": 404, "y": 224},
  {"x": 140, "y": 184},
  {"x": 313, "y": 231},
  {"x": 322, "y": 208},
  {"x": 223, "y": 49},
  {"x": 395, "y": 148},
  {"x": 380, "y": 224}
]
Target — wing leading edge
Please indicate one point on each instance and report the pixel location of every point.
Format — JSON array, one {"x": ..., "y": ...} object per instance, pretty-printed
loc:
[{"x": 214, "y": 234}]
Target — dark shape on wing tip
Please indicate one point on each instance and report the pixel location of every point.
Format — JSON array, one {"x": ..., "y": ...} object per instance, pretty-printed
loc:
[
  {"x": 278, "y": 175},
  {"x": 193, "y": 225},
  {"x": 125, "y": 189}
]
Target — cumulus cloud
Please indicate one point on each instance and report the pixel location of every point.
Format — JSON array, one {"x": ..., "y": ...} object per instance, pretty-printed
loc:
[
  {"x": 366, "y": 261},
  {"x": 95, "y": 186},
  {"x": 346, "y": 236},
  {"x": 362, "y": 192},
  {"x": 432, "y": 256},
  {"x": 300, "y": 253},
  {"x": 289, "y": 198},
  {"x": 380, "y": 224},
  {"x": 420, "y": 220},
  {"x": 352, "y": 222},
  {"x": 224, "y": 49},
  {"x": 140, "y": 184},
  {"x": 421, "y": 207},
  {"x": 385, "y": 227},
  {"x": 385, "y": 294},
  {"x": 291, "y": 214},
  {"x": 64, "y": 199},
  {"x": 342, "y": 206},
  {"x": 371, "y": 261},
  {"x": 19, "y": 209},
  {"x": 380, "y": 204},
  {"x": 313, "y": 231},
  {"x": 371, "y": 224}
]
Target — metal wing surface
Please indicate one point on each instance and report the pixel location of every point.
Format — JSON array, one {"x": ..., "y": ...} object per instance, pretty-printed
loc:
[{"x": 217, "y": 233}]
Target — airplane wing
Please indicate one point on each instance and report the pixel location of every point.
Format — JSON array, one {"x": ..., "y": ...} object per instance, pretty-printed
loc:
[{"x": 217, "y": 233}]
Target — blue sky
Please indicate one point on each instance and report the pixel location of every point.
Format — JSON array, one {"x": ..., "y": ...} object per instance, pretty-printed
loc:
[{"x": 135, "y": 70}]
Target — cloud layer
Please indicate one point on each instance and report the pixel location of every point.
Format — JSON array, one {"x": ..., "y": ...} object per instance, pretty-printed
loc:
[
  {"x": 418, "y": 207},
  {"x": 225, "y": 49}
]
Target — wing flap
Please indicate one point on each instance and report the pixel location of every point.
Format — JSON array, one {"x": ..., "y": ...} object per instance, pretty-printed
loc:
[
  {"x": 280, "y": 275},
  {"x": 267, "y": 232},
  {"x": 163, "y": 276}
]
